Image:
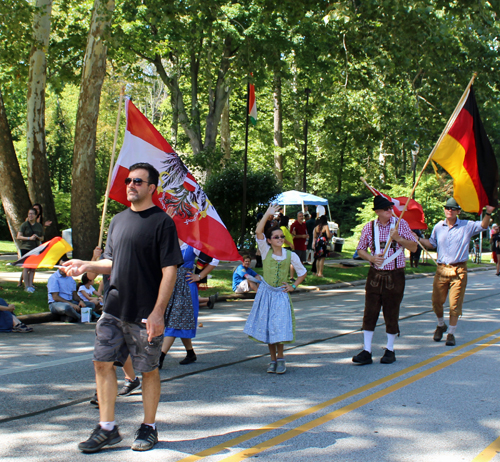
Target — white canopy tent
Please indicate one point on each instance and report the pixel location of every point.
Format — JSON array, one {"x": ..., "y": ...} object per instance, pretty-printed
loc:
[{"x": 301, "y": 198}]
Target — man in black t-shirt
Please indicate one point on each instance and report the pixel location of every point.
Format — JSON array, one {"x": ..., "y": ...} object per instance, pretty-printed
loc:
[{"x": 142, "y": 254}]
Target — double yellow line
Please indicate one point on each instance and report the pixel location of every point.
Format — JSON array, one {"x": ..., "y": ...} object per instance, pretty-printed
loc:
[{"x": 488, "y": 452}]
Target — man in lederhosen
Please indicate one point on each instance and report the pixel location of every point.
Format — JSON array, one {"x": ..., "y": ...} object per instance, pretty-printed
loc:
[
  {"x": 451, "y": 237},
  {"x": 385, "y": 283}
]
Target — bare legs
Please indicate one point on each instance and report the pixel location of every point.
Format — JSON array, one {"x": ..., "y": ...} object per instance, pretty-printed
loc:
[
  {"x": 320, "y": 265},
  {"x": 151, "y": 391},
  {"x": 276, "y": 351},
  {"x": 107, "y": 388}
]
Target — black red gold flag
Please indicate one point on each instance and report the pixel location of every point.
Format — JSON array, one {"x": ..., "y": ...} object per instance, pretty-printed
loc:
[
  {"x": 46, "y": 255},
  {"x": 466, "y": 154}
]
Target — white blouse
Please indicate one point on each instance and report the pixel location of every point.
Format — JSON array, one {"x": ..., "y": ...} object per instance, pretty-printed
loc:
[{"x": 264, "y": 248}]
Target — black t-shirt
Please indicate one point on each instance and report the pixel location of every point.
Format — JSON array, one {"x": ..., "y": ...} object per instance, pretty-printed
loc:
[{"x": 140, "y": 245}]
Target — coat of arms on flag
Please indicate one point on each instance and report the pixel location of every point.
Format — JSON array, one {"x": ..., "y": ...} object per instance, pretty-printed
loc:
[{"x": 178, "y": 193}]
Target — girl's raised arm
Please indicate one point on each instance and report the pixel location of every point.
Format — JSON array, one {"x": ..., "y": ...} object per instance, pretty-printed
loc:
[{"x": 259, "y": 231}]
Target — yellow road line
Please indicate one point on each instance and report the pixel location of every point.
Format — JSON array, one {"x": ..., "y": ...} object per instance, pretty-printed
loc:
[
  {"x": 351, "y": 407},
  {"x": 488, "y": 453},
  {"x": 280, "y": 423}
]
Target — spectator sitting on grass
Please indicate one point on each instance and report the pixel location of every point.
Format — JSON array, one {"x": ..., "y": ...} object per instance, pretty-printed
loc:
[
  {"x": 8, "y": 321},
  {"x": 64, "y": 300},
  {"x": 241, "y": 280}
]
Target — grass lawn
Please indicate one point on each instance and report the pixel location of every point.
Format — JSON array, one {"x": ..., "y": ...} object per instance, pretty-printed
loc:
[
  {"x": 7, "y": 247},
  {"x": 221, "y": 280}
]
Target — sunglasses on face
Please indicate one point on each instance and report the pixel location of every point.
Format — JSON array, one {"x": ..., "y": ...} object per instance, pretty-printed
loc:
[
  {"x": 451, "y": 208},
  {"x": 136, "y": 181},
  {"x": 278, "y": 237}
]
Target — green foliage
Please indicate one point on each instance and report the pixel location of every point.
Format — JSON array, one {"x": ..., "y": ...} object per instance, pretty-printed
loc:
[
  {"x": 225, "y": 191},
  {"x": 62, "y": 204},
  {"x": 431, "y": 194},
  {"x": 343, "y": 207}
]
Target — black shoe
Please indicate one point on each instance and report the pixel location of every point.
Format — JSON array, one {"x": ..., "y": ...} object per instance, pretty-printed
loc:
[
  {"x": 389, "y": 357},
  {"x": 211, "y": 300},
  {"x": 188, "y": 359},
  {"x": 130, "y": 386},
  {"x": 162, "y": 358},
  {"x": 145, "y": 438},
  {"x": 94, "y": 400},
  {"x": 363, "y": 358},
  {"x": 450, "y": 340},
  {"x": 438, "y": 333},
  {"x": 100, "y": 438}
]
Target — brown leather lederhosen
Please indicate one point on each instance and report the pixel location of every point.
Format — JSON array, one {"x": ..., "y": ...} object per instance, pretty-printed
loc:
[{"x": 384, "y": 290}]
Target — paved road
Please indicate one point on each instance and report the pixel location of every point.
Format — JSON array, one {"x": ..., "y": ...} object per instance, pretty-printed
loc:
[{"x": 435, "y": 403}]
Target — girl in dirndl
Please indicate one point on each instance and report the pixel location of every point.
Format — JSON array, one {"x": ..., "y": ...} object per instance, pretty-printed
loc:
[{"x": 272, "y": 319}]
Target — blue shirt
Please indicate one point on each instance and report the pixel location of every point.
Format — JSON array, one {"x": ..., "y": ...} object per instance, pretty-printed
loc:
[
  {"x": 453, "y": 243},
  {"x": 239, "y": 275},
  {"x": 5, "y": 318},
  {"x": 64, "y": 285}
]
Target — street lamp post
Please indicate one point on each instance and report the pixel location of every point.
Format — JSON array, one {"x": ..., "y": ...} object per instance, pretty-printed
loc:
[{"x": 414, "y": 153}]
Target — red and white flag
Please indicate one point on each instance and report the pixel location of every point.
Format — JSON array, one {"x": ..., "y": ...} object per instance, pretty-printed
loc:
[
  {"x": 414, "y": 214},
  {"x": 198, "y": 223}
]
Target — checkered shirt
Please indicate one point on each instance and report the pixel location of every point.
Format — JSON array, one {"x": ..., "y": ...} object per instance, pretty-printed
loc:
[{"x": 366, "y": 241}]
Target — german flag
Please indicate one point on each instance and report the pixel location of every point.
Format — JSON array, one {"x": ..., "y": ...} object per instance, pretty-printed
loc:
[
  {"x": 466, "y": 154},
  {"x": 46, "y": 255}
]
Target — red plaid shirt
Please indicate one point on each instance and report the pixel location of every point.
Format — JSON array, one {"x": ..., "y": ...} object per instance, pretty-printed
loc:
[{"x": 366, "y": 241}]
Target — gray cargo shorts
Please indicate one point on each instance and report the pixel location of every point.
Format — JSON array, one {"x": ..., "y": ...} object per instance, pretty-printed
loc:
[{"x": 116, "y": 339}]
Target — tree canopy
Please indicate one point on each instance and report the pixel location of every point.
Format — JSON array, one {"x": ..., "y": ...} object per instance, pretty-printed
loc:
[{"x": 381, "y": 76}]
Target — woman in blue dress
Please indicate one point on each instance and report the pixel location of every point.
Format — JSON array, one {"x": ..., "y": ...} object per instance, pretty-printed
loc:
[{"x": 181, "y": 315}]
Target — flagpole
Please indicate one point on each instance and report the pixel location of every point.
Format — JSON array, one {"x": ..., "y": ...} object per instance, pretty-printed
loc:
[
  {"x": 451, "y": 121},
  {"x": 111, "y": 166},
  {"x": 245, "y": 162}
]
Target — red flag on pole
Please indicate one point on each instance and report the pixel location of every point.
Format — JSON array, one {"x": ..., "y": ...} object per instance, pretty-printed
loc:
[
  {"x": 198, "y": 223},
  {"x": 414, "y": 214}
]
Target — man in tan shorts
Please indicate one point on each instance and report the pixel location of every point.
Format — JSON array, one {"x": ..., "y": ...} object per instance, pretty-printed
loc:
[{"x": 451, "y": 237}]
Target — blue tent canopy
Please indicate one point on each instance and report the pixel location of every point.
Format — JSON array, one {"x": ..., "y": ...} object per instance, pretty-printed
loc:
[{"x": 299, "y": 198}]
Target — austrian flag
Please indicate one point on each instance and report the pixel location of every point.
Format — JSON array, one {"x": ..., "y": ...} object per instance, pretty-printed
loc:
[{"x": 198, "y": 223}]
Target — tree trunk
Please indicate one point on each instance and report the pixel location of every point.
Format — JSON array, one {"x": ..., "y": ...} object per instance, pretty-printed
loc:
[
  {"x": 36, "y": 156},
  {"x": 13, "y": 192},
  {"x": 278, "y": 126},
  {"x": 84, "y": 216},
  {"x": 218, "y": 99},
  {"x": 225, "y": 132}
]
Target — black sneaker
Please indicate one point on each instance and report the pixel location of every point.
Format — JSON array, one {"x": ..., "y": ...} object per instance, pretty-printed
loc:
[
  {"x": 450, "y": 340},
  {"x": 438, "y": 333},
  {"x": 94, "y": 400},
  {"x": 100, "y": 438},
  {"x": 130, "y": 386},
  {"x": 389, "y": 357},
  {"x": 145, "y": 438},
  {"x": 363, "y": 358},
  {"x": 188, "y": 359}
]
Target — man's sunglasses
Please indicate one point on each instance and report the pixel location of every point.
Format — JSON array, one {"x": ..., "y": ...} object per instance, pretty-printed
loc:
[
  {"x": 136, "y": 181},
  {"x": 278, "y": 237},
  {"x": 451, "y": 208}
]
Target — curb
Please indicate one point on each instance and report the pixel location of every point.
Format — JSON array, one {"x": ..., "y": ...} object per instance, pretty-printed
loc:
[{"x": 39, "y": 318}]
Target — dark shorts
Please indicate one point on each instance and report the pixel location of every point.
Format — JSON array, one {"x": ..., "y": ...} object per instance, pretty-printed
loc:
[
  {"x": 302, "y": 255},
  {"x": 115, "y": 340}
]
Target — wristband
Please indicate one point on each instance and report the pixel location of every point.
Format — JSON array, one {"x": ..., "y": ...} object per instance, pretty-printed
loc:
[
  {"x": 486, "y": 213},
  {"x": 294, "y": 286}
]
